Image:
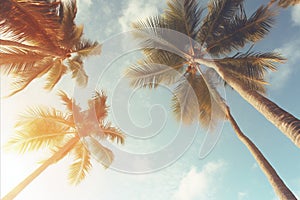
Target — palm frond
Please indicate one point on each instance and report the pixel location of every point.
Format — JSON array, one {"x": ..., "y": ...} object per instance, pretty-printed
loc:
[
  {"x": 112, "y": 133},
  {"x": 219, "y": 13},
  {"x": 163, "y": 67},
  {"x": 55, "y": 73},
  {"x": 39, "y": 128},
  {"x": 98, "y": 105},
  {"x": 41, "y": 115},
  {"x": 86, "y": 48},
  {"x": 192, "y": 101},
  {"x": 67, "y": 101},
  {"x": 184, "y": 16},
  {"x": 34, "y": 21},
  {"x": 72, "y": 33},
  {"x": 78, "y": 72},
  {"x": 100, "y": 153},
  {"x": 15, "y": 60},
  {"x": 241, "y": 30},
  {"x": 286, "y": 3},
  {"x": 81, "y": 164},
  {"x": 250, "y": 68}
]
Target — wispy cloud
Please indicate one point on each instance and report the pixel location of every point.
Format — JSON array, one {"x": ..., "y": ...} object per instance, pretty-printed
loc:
[
  {"x": 296, "y": 15},
  {"x": 290, "y": 51},
  {"x": 200, "y": 185},
  {"x": 242, "y": 195},
  {"x": 138, "y": 9}
]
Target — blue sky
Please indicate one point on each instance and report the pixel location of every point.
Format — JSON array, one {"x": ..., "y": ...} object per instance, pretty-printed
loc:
[{"x": 228, "y": 172}]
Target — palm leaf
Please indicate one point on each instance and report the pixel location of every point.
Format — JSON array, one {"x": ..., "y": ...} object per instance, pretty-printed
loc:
[
  {"x": 112, "y": 133},
  {"x": 285, "y": 3},
  {"x": 81, "y": 164},
  {"x": 86, "y": 48},
  {"x": 250, "y": 68},
  {"x": 100, "y": 153},
  {"x": 184, "y": 16},
  {"x": 240, "y": 30},
  {"x": 76, "y": 67},
  {"x": 163, "y": 67},
  {"x": 15, "y": 60},
  {"x": 219, "y": 12},
  {"x": 34, "y": 21},
  {"x": 40, "y": 128},
  {"x": 98, "y": 105},
  {"x": 55, "y": 73},
  {"x": 67, "y": 101}
]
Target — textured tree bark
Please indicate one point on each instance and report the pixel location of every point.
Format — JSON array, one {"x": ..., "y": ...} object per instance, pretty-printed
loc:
[
  {"x": 53, "y": 159},
  {"x": 282, "y": 191},
  {"x": 284, "y": 121}
]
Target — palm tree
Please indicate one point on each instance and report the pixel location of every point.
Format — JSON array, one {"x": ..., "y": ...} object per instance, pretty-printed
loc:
[
  {"x": 40, "y": 38},
  {"x": 188, "y": 77},
  {"x": 284, "y": 3},
  {"x": 212, "y": 41},
  {"x": 55, "y": 130}
]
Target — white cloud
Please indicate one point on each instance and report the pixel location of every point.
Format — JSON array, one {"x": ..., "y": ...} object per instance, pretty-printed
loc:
[
  {"x": 296, "y": 14},
  {"x": 138, "y": 9},
  {"x": 200, "y": 185},
  {"x": 242, "y": 195},
  {"x": 290, "y": 51}
]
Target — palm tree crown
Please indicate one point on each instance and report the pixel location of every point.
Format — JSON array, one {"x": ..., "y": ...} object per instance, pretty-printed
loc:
[
  {"x": 213, "y": 42},
  {"x": 50, "y": 128},
  {"x": 41, "y": 38}
]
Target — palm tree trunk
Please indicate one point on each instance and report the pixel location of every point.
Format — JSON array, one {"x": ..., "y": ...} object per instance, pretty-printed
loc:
[
  {"x": 53, "y": 159},
  {"x": 284, "y": 121},
  {"x": 282, "y": 191}
]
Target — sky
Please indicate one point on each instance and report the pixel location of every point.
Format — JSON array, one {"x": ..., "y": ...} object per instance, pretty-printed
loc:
[{"x": 229, "y": 171}]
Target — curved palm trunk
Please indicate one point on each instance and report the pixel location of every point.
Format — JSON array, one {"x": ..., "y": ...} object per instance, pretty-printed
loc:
[
  {"x": 282, "y": 191},
  {"x": 284, "y": 121},
  {"x": 53, "y": 159}
]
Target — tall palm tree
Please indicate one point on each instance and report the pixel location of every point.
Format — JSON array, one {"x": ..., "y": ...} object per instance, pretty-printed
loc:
[
  {"x": 55, "y": 130},
  {"x": 40, "y": 38},
  {"x": 161, "y": 66},
  {"x": 212, "y": 43},
  {"x": 284, "y": 3}
]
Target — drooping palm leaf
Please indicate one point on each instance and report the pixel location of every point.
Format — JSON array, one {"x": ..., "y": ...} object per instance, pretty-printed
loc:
[
  {"x": 81, "y": 164},
  {"x": 98, "y": 105},
  {"x": 164, "y": 67},
  {"x": 112, "y": 133},
  {"x": 100, "y": 153},
  {"x": 86, "y": 48},
  {"x": 78, "y": 72},
  {"x": 55, "y": 74}
]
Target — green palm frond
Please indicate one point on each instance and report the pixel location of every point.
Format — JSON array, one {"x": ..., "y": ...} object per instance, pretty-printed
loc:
[
  {"x": 34, "y": 21},
  {"x": 81, "y": 164},
  {"x": 241, "y": 30},
  {"x": 112, "y": 133},
  {"x": 98, "y": 105},
  {"x": 55, "y": 73},
  {"x": 78, "y": 72},
  {"x": 100, "y": 153},
  {"x": 219, "y": 12},
  {"x": 250, "y": 68},
  {"x": 184, "y": 16},
  {"x": 86, "y": 48},
  {"x": 163, "y": 67}
]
